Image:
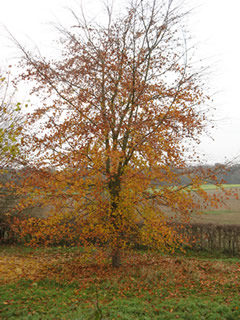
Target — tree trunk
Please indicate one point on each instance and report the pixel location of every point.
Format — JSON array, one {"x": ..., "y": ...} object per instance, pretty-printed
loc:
[{"x": 116, "y": 258}]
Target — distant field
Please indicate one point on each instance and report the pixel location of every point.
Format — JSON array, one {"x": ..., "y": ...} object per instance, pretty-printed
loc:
[
  {"x": 227, "y": 213},
  {"x": 204, "y": 187},
  {"x": 226, "y": 186}
]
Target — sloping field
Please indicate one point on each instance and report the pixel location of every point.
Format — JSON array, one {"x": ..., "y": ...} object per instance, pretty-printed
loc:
[{"x": 227, "y": 213}]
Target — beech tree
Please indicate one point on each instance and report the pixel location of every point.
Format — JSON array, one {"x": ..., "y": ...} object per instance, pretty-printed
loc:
[{"x": 117, "y": 110}]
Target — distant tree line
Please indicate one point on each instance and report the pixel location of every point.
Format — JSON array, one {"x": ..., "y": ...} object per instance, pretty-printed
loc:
[{"x": 229, "y": 175}]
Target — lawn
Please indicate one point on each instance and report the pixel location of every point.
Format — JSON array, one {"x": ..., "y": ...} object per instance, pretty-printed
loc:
[{"x": 67, "y": 283}]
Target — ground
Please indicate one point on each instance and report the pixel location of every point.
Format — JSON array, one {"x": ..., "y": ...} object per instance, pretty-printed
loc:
[{"x": 67, "y": 283}]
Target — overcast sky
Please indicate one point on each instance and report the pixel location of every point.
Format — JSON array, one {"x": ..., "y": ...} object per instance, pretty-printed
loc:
[{"x": 214, "y": 25}]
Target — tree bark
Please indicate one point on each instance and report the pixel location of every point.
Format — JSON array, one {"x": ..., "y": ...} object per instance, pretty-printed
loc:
[{"x": 116, "y": 258}]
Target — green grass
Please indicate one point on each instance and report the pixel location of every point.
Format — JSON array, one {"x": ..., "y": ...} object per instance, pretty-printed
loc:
[
  {"x": 51, "y": 300},
  {"x": 24, "y": 250},
  {"x": 36, "y": 300},
  {"x": 218, "y": 212},
  {"x": 190, "y": 308},
  {"x": 206, "y": 255},
  {"x": 226, "y": 186}
]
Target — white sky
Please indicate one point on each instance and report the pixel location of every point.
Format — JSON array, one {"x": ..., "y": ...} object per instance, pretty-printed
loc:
[{"x": 214, "y": 25}]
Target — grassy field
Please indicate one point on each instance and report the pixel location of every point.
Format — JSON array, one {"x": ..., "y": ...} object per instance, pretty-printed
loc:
[
  {"x": 227, "y": 213},
  {"x": 59, "y": 283},
  {"x": 226, "y": 186}
]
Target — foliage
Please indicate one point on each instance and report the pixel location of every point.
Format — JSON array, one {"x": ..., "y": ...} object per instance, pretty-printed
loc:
[
  {"x": 11, "y": 124},
  {"x": 58, "y": 283},
  {"x": 11, "y": 121},
  {"x": 117, "y": 110}
]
